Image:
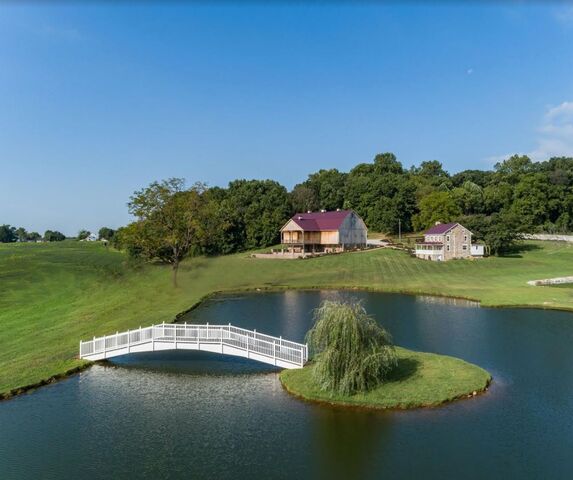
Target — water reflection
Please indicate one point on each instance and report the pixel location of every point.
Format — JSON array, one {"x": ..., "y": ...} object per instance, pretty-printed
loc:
[
  {"x": 456, "y": 302},
  {"x": 346, "y": 442},
  {"x": 188, "y": 414}
]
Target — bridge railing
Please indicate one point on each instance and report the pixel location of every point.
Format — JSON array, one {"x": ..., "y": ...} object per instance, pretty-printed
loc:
[{"x": 248, "y": 340}]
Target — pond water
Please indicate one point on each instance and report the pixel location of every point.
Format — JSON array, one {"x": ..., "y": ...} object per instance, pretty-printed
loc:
[{"x": 199, "y": 415}]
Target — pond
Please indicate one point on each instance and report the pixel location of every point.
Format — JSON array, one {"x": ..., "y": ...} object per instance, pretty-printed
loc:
[{"x": 198, "y": 415}]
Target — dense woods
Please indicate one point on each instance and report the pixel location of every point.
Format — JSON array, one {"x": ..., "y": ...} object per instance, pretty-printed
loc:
[{"x": 517, "y": 196}]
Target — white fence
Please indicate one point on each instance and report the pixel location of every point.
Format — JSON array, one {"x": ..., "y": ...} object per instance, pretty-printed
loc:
[{"x": 224, "y": 339}]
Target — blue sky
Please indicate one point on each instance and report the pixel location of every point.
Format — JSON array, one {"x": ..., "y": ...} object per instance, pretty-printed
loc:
[{"x": 98, "y": 100}]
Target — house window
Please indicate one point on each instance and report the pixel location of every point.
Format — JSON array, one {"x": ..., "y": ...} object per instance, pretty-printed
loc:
[
  {"x": 448, "y": 248},
  {"x": 464, "y": 247},
  {"x": 447, "y": 238},
  {"x": 465, "y": 238}
]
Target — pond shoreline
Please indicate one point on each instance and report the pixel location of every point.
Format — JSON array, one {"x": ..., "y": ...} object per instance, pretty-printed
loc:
[
  {"x": 441, "y": 380},
  {"x": 353, "y": 406},
  {"x": 270, "y": 289},
  {"x": 16, "y": 392}
]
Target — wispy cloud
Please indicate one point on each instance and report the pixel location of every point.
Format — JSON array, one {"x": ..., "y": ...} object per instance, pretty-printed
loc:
[
  {"x": 556, "y": 133},
  {"x": 554, "y": 136},
  {"x": 564, "y": 15}
]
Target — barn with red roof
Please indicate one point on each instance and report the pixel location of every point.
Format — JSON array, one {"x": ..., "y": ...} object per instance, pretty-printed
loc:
[{"x": 324, "y": 232}]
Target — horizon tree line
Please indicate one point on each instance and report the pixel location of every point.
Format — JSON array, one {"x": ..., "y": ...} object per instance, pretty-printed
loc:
[
  {"x": 10, "y": 234},
  {"x": 498, "y": 206}
]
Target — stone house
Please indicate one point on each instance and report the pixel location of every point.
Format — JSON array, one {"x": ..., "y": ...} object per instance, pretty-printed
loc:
[{"x": 446, "y": 241}]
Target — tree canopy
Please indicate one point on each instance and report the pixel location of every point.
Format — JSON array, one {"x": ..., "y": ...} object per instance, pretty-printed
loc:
[
  {"x": 169, "y": 222},
  {"x": 83, "y": 234},
  {"x": 517, "y": 196},
  {"x": 7, "y": 234},
  {"x": 106, "y": 233}
]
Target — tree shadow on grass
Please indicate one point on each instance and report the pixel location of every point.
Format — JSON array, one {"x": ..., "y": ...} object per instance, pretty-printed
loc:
[
  {"x": 517, "y": 250},
  {"x": 406, "y": 368}
]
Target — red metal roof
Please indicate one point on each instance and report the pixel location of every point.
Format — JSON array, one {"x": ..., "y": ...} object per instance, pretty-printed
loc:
[
  {"x": 320, "y": 221},
  {"x": 440, "y": 229}
]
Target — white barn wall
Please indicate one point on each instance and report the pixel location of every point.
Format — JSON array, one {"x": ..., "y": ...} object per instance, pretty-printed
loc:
[{"x": 353, "y": 231}]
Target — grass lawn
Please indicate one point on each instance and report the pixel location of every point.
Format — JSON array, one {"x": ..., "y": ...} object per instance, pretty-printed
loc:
[
  {"x": 53, "y": 295},
  {"x": 419, "y": 380}
]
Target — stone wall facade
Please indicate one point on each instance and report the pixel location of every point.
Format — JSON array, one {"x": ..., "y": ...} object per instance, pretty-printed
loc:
[{"x": 457, "y": 243}]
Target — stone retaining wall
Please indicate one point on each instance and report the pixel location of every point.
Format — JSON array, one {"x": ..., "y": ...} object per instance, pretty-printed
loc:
[
  {"x": 547, "y": 236},
  {"x": 551, "y": 281}
]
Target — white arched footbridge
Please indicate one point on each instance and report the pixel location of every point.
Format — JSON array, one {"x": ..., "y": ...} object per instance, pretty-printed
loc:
[{"x": 224, "y": 339}]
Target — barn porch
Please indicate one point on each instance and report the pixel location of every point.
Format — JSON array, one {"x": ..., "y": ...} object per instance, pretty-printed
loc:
[{"x": 300, "y": 241}]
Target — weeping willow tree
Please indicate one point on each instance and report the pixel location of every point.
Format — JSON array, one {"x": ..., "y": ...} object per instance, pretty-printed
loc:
[{"x": 351, "y": 352}]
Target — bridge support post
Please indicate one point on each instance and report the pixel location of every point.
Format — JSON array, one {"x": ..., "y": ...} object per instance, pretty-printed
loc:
[{"x": 153, "y": 338}]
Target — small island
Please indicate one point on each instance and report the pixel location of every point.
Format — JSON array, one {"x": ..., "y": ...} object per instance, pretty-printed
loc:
[
  {"x": 419, "y": 380},
  {"x": 356, "y": 364}
]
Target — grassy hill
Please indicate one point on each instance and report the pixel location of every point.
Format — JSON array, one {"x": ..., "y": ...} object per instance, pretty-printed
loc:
[{"x": 53, "y": 295}]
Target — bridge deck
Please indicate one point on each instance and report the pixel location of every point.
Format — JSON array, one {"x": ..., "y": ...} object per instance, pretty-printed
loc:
[{"x": 224, "y": 339}]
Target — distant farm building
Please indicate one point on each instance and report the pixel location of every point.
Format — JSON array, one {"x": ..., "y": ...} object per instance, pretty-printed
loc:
[
  {"x": 315, "y": 232},
  {"x": 92, "y": 237},
  {"x": 446, "y": 241}
]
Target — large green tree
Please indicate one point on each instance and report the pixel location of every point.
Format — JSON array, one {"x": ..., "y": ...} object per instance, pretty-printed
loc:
[
  {"x": 469, "y": 197},
  {"x": 21, "y": 234},
  {"x": 53, "y": 236},
  {"x": 500, "y": 232},
  {"x": 262, "y": 207},
  {"x": 304, "y": 198},
  {"x": 83, "y": 234},
  {"x": 436, "y": 207},
  {"x": 322, "y": 190},
  {"x": 381, "y": 193},
  {"x": 106, "y": 233},
  {"x": 7, "y": 234},
  {"x": 169, "y": 222}
]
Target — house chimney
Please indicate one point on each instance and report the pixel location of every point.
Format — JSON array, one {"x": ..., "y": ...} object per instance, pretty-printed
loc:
[{"x": 438, "y": 223}]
